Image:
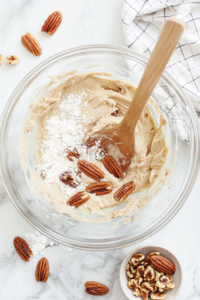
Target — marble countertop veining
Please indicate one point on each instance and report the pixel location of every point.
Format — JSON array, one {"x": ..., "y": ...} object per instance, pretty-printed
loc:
[{"x": 84, "y": 22}]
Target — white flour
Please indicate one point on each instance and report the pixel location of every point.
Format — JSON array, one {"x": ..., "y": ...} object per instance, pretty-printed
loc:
[
  {"x": 38, "y": 242},
  {"x": 65, "y": 130}
]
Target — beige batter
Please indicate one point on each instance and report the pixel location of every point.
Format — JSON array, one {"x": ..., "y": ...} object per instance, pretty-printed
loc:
[{"x": 104, "y": 95}]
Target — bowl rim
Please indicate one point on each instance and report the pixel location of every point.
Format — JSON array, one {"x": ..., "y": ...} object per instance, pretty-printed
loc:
[
  {"x": 103, "y": 244},
  {"x": 140, "y": 249}
]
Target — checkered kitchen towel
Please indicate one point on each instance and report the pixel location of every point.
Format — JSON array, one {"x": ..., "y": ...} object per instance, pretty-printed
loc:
[{"x": 142, "y": 22}]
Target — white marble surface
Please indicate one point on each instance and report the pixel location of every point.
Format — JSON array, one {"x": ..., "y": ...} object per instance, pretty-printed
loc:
[{"x": 84, "y": 22}]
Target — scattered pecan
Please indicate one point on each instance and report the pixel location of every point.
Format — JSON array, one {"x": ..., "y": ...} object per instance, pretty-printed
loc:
[
  {"x": 31, "y": 44},
  {"x": 90, "y": 170},
  {"x": 12, "y": 60},
  {"x": 99, "y": 188},
  {"x": 68, "y": 179},
  {"x": 162, "y": 264},
  {"x": 124, "y": 191},
  {"x": 115, "y": 113},
  {"x": 52, "y": 23},
  {"x": 78, "y": 199},
  {"x": 22, "y": 248},
  {"x": 72, "y": 152},
  {"x": 42, "y": 270},
  {"x": 112, "y": 167},
  {"x": 95, "y": 288},
  {"x": 1, "y": 58}
]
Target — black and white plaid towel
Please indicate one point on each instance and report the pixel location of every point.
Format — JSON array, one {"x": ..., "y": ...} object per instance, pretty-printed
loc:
[{"x": 142, "y": 22}]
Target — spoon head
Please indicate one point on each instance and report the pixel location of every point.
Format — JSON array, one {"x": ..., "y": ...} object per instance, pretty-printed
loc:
[{"x": 114, "y": 143}]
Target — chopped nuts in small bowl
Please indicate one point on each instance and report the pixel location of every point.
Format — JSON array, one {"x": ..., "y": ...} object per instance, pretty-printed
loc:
[{"x": 150, "y": 272}]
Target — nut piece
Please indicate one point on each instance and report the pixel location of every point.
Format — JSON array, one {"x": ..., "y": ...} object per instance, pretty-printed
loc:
[
  {"x": 134, "y": 283},
  {"x": 22, "y": 248},
  {"x": 115, "y": 113},
  {"x": 78, "y": 199},
  {"x": 52, "y": 23},
  {"x": 136, "y": 292},
  {"x": 149, "y": 273},
  {"x": 169, "y": 286},
  {"x": 146, "y": 290},
  {"x": 140, "y": 271},
  {"x": 124, "y": 191},
  {"x": 151, "y": 254},
  {"x": 162, "y": 264},
  {"x": 68, "y": 179},
  {"x": 72, "y": 152},
  {"x": 42, "y": 270},
  {"x": 90, "y": 170},
  {"x": 31, "y": 44},
  {"x": 112, "y": 167},
  {"x": 136, "y": 259},
  {"x": 12, "y": 60},
  {"x": 99, "y": 188},
  {"x": 95, "y": 288},
  {"x": 130, "y": 271},
  {"x": 1, "y": 58},
  {"x": 158, "y": 296}
]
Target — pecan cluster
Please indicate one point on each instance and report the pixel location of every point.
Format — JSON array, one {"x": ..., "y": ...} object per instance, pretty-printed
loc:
[{"x": 150, "y": 277}]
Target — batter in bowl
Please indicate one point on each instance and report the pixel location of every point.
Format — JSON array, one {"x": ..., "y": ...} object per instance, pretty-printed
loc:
[{"x": 73, "y": 107}]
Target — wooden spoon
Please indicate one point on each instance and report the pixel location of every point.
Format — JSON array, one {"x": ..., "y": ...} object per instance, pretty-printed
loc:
[{"x": 119, "y": 140}]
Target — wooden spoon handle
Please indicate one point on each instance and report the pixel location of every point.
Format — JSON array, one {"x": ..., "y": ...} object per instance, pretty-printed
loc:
[{"x": 162, "y": 52}]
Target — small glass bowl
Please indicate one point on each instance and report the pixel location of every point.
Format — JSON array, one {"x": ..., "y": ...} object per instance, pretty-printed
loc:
[{"x": 183, "y": 158}]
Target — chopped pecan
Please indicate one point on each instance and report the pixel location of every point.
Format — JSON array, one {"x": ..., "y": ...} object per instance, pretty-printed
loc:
[
  {"x": 151, "y": 254},
  {"x": 1, "y": 58},
  {"x": 136, "y": 259},
  {"x": 95, "y": 288},
  {"x": 12, "y": 60},
  {"x": 140, "y": 271},
  {"x": 137, "y": 292},
  {"x": 22, "y": 248},
  {"x": 78, "y": 199},
  {"x": 42, "y": 270},
  {"x": 130, "y": 271},
  {"x": 52, "y": 23},
  {"x": 72, "y": 152},
  {"x": 31, "y": 44},
  {"x": 149, "y": 273},
  {"x": 124, "y": 191},
  {"x": 158, "y": 296},
  {"x": 99, "y": 188},
  {"x": 112, "y": 167},
  {"x": 90, "y": 170},
  {"x": 115, "y": 113},
  {"x": 68, "y": 179}
]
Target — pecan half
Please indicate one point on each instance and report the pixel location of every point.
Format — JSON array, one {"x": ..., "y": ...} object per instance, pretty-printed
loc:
[
  {"x": 112, "y": 167},
  {"x": 90, "y": 170},
  {"x": 162, "y": 264},
  {"x": 31, "y": 44},
  {"x": 42, "y": 270},
  {"x": 22, "y": 248},
  {"x": 95, "y": 288},
  {"x": 68, "y": 179},
  {"x": 52, "y": 23},
  {"x": 99, "y": 188},
  {"x": 72, "y": 152},
  {"x": 124, "y": 191},
  {"x": 78, "y": 199},
  {"x": 12, "y": 60}
]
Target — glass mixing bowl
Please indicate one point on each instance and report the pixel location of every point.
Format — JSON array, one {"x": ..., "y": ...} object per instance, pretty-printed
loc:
[{"x": 183, "y": 159}]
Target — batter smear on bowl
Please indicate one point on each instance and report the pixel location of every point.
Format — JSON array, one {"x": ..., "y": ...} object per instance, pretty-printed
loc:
[{"x": 77, "y": 180}]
